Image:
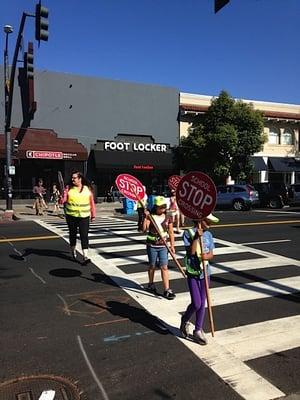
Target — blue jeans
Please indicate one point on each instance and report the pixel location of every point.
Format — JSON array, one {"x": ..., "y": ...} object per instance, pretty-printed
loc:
[{"x": 157, "y": 255}]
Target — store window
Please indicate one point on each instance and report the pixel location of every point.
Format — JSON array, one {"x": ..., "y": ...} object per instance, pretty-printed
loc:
[
  {"x": 274, "y": 136},
  {"x": 287, "y": 137}
]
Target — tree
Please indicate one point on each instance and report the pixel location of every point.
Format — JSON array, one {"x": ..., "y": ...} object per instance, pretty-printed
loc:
[{"x": 222, "y": 141}]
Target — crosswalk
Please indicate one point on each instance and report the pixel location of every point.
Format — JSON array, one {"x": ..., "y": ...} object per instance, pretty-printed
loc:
[{"x": 255, "y": 297}]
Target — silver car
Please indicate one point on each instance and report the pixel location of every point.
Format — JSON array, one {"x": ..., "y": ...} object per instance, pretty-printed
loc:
[{"x": 238, "y": 197}]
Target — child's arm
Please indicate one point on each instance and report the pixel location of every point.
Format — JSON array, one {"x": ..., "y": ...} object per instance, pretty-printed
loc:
[{"x": 146, "y": 221}]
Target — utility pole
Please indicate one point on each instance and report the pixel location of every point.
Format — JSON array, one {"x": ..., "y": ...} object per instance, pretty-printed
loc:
[
  {"x": 41, "y": 33},
  {"x": 7, "y": 87}
]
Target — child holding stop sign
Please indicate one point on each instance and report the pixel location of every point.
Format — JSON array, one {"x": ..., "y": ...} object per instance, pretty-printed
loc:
[{"x": 195, "y": 275}]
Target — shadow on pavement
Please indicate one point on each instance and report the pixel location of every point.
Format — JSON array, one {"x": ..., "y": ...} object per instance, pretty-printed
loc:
[
  {"x": 65, "y": 272},
  {"x": 43, "y": 253},
  {"x": 134, "y": 314}
]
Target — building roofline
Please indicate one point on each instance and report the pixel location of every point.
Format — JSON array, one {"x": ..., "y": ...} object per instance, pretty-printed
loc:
[{"x": 266, "y": 103}]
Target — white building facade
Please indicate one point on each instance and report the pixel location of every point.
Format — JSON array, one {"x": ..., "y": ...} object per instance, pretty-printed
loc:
[{"x": 280, "y": 158}]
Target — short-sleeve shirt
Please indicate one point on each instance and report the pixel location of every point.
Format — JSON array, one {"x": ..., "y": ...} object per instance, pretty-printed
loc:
[{"x": 208, "y": 245}]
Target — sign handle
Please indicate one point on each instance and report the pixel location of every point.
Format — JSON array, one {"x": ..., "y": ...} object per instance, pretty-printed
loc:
[
  {"x": 209, "y": 306},
  {"x": 162, "y": 238}
]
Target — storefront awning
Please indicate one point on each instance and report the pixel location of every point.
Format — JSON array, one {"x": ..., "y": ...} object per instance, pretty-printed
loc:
[
  {"x": 44, "y": 144},
  {"x": 133, "y": 160},
  {"x": 259, "y": 164},
  {"x": 284, "y": 164}
]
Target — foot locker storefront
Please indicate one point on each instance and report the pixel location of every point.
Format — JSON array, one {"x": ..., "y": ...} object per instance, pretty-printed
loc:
[{"x": 138, "y": 155}]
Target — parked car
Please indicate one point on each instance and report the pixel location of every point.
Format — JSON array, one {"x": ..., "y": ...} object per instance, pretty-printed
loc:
[
  {"x": 238, "y": 197},
  {"x": 294, "y": 194},
  {"x": 272, "y": 194}
]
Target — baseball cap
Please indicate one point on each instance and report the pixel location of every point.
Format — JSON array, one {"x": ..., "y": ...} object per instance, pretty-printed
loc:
[
  {"x": 212, "y": 219},
  {"x": 160, "y": 201}
]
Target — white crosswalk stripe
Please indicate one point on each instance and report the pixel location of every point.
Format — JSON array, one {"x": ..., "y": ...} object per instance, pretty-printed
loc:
[{"x": 110, "y": 237}]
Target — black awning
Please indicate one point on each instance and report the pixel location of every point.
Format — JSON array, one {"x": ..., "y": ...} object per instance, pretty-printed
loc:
[
  {"x": 108, "y": 159},
  {"x": 284, "y": 164},
  {"x": 259, "y": 164}
]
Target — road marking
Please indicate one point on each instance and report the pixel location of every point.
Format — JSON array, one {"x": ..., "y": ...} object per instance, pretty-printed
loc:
[
  {"x": 244, "y": 292},
  {"x": 115, "y": 338},
  {"x": 36, "y": 275},
  {"x": 107, "y": 322},
  {"x": 267, "y": 241},
  {"x": 66, "y": 308},
  {"x": 25, "y": 239},
  {"x": 271, "y": 337},
  {"x": 47, "y": 395},
  {"x": 276, "y": 212},
  {"x": 92, "y": 371},
  {"x": 245, "y": 381},
  {"x": 293, "y": 221}
]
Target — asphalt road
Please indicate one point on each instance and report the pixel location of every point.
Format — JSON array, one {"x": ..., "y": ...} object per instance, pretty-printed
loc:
[{"x": 62, "y": 319}]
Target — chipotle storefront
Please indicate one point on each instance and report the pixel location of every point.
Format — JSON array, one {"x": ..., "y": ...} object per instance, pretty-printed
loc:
[
  {"x": 138, "y": 155},
  {"x": 41, "y": 154}
]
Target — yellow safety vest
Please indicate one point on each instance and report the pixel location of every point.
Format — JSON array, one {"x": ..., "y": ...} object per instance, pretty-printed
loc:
[{"x": 78, "y": 203}]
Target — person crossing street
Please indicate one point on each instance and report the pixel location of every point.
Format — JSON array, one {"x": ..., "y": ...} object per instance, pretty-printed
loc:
[
  {"x": 156, "y": 250},
  {"x": 79, "y": 209}
]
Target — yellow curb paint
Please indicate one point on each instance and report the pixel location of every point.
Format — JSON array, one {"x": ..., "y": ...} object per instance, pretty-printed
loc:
[
  {"x": 297, "y": 221},
  {"x": 257, "y": 223},
  {"x": 24, "y": 239}
]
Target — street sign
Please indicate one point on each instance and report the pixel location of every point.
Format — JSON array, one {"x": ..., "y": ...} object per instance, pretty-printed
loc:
[
  {"x": 196, "y": 195},
  {"x": 173, "y": 181},
  {"x": 130, "y": 187},
  {"x": 52, "y": 155},
  {"x": 12, "y": 170}
]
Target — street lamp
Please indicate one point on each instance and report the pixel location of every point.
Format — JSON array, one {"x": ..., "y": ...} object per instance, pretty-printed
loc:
[{"x": 8, "y": 182}]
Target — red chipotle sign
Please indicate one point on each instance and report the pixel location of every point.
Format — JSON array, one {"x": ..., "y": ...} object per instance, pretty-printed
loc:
[
  {"x": 49, "y": 155},
  {"x": 53, "y": 155}
]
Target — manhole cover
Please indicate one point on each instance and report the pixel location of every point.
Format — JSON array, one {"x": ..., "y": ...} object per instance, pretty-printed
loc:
[{"x": 41, "y": 387}]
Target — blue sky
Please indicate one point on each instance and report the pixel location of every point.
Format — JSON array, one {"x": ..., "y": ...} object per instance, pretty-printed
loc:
[{"x": 251, "y": 48}]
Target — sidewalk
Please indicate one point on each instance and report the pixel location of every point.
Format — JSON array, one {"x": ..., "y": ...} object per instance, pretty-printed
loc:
[{"x": 23, "y": 209}]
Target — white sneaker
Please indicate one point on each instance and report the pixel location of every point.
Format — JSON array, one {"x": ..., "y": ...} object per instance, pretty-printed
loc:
[{"x": 199, "y": 336}]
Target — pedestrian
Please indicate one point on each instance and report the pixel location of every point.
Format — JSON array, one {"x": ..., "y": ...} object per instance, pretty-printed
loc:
[
  {"x": 195, "y": 275},
  {"x": 174, "y": 211},
  {"x": 156, "y": 250},
  {"x": 79, "y": 209},
  {"x": 39, "y": 202},
  {"x": 55, "y": 198},
  {"x": 141, "y": 205}
]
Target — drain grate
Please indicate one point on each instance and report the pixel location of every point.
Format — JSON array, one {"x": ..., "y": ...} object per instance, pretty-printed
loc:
[{"x": 32, "y": 388}]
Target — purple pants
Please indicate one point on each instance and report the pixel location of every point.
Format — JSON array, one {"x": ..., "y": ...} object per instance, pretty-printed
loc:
[{"x": 198, "y": 297}]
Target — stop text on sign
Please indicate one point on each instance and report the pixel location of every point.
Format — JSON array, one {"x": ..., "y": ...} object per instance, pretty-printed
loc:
[
  {"x": 130, "y": 187},
  {"x": 196, "y": 195},
  {"x": 173, "y": 181}
]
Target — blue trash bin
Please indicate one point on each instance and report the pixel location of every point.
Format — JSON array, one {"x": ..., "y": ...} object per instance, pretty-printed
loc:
[
  {"x": 128, "y": 206},
  {"x": 150, "y": 202}
]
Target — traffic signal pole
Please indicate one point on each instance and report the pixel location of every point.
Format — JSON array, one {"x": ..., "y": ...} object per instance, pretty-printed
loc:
[
  {"x": 41, "y": 33},
  {"x": 8, "y": 111}
]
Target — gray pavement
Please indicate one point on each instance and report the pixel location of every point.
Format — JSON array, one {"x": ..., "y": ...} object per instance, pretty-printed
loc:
[{"x": 23, "y": 209}]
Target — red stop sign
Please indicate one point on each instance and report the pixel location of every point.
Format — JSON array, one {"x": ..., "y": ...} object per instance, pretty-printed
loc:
[
  {"x": 173, "y": 181},
  {"x": 196, "y": 195},
  {"x": 130, "y": 187}
]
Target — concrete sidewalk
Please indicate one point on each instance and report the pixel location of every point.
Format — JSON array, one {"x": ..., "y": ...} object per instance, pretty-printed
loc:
[{"x": 23, "y": 209}]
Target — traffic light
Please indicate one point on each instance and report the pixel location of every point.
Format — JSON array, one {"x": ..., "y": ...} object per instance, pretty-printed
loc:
[
  {"x": 15, "y": 146},
  {"x": 220, "y": 4},
  {"x": 41, "y": 22},
  {"x": 28, "y": 61}
]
